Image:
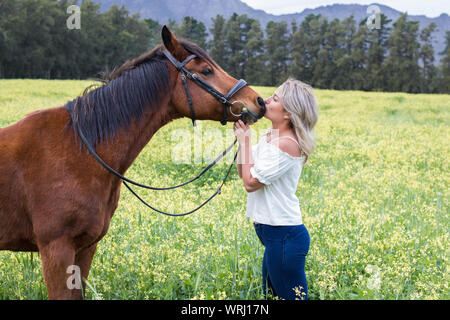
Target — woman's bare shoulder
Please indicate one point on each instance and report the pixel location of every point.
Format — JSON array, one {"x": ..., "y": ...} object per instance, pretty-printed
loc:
[{"x": 289, "y": 146}]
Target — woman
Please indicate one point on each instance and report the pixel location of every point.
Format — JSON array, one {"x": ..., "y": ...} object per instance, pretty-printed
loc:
[{"x": 270, "y": 171}]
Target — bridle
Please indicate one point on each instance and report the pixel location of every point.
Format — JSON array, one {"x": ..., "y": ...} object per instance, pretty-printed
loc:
[{"x": 224, "y": 99}]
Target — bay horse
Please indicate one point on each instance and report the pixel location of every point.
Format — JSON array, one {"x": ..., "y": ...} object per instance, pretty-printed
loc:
[{"x": 55, "y": 198}]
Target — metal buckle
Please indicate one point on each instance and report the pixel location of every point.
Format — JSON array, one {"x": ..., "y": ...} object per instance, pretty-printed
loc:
[{"x": 223, "y": 100}]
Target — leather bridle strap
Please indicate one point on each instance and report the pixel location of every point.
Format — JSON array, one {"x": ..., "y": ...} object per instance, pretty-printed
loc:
[
  {"x": 189, "y": 99},
  {"x": 180, "y": 66}
]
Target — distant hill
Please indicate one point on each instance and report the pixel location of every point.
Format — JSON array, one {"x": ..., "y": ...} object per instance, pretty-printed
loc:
[{"x": 205, "y": 10}]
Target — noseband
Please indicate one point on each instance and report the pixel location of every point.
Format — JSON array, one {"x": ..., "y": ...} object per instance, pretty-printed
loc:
[{"x": 223, "y": 98}]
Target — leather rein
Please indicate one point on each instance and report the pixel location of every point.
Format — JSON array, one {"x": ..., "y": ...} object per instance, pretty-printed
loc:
[{"x": 224, "y": 99}]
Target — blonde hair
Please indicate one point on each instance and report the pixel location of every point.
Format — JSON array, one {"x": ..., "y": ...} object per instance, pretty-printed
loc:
[{"x": 299, "y": 100}]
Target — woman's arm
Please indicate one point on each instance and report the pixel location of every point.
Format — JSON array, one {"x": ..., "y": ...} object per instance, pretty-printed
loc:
[
  {"x": 239, "y": 164},
  {"x": 245, "y": 159},
  {"x": 250, "y": 183}
]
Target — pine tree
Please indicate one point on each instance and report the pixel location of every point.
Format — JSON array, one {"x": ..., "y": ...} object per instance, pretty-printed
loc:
[
  {"x": 173, "y": 25},
  {"x": 217, "y": 44},
  {"x": 155, "y": 32},
  {"x": 254, "y": 52},
  {"x": 359, "y": 58},
  {"x": 234, "y": 45},
  {"x": 277, "y": 51},
  {"x": 128, "y": 36},
  {"x": 89, "y": 56},
  {"x": 338, "y": 68},
  {"x": 349, "y": 53},
  {"x": 31, "y": 30},
  {"x": 429, "y": 71},
  {"x": 445, "y": 65},
  {"x": 193, "y": 30},
  {"x": 375, "y": 78},
  {"x": 305, "y": 46},
  {"x": 324, "y": 40},
  {"x": 402, "y": 66},
  {"x": 8, "y": 13},
  {"x": 65, "y": 43}
]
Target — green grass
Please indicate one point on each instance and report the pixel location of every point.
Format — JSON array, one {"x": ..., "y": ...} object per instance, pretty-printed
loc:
[{"x": 374, "y": 197}]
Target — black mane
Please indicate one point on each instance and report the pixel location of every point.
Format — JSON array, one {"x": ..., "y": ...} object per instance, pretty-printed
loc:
[{"x": 125, "y": 94}]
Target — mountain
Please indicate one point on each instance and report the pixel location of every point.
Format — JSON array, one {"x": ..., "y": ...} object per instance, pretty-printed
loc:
[{"x": 205, "y": 10}]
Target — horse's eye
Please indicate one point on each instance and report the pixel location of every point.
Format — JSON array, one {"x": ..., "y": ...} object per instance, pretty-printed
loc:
[{"x": 206, "y": 72}]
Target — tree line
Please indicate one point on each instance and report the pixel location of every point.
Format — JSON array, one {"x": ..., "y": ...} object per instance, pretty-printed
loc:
[{"x": 35, "y": 43}]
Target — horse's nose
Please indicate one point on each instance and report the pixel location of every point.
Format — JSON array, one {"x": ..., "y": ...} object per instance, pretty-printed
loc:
[{"x": 262, "y": 104}]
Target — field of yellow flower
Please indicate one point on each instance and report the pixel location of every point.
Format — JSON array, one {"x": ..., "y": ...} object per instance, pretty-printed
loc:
[{"x": 374, "y": 197}]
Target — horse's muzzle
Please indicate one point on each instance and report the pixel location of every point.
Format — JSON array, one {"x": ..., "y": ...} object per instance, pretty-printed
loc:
[{"x": 248, "y": 115}]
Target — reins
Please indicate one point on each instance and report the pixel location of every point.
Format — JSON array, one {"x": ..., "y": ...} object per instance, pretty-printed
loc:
[{"x": 125, "y": 180}]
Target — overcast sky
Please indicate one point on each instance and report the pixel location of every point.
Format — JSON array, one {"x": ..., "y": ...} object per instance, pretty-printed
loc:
[{"x": 430, "y": 8}]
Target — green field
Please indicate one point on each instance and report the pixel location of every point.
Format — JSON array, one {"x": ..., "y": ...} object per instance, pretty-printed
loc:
[{"x": 374, "y": 198}]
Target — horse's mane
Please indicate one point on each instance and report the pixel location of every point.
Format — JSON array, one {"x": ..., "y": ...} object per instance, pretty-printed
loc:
[{"x": 124, "y": 94}]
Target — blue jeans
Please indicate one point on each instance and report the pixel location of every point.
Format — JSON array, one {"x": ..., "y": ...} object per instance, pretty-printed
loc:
[{"x": 283, "y": 268}]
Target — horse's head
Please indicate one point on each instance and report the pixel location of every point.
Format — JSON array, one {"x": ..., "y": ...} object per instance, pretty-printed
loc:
[{"x": 215, "y": 94}]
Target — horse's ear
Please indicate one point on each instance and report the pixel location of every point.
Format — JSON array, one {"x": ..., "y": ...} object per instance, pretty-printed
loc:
[{"x": 172, "y": 44}]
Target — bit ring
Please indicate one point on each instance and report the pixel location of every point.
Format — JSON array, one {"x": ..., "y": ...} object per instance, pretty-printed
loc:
[{"x": 231, "y": 110}]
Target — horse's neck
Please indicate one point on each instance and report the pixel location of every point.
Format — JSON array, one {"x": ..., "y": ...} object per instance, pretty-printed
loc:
[{"x": 131, "y": 140}]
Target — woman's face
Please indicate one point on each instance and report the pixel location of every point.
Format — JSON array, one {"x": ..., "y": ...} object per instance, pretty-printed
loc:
[{"x": 274, "y": 109}]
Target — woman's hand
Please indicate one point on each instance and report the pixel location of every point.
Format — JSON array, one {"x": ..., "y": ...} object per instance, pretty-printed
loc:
[{"x": 241, "y": 131}]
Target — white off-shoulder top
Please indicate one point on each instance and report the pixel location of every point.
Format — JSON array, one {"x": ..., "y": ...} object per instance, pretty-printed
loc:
[{"x": 276, "y": 203}]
